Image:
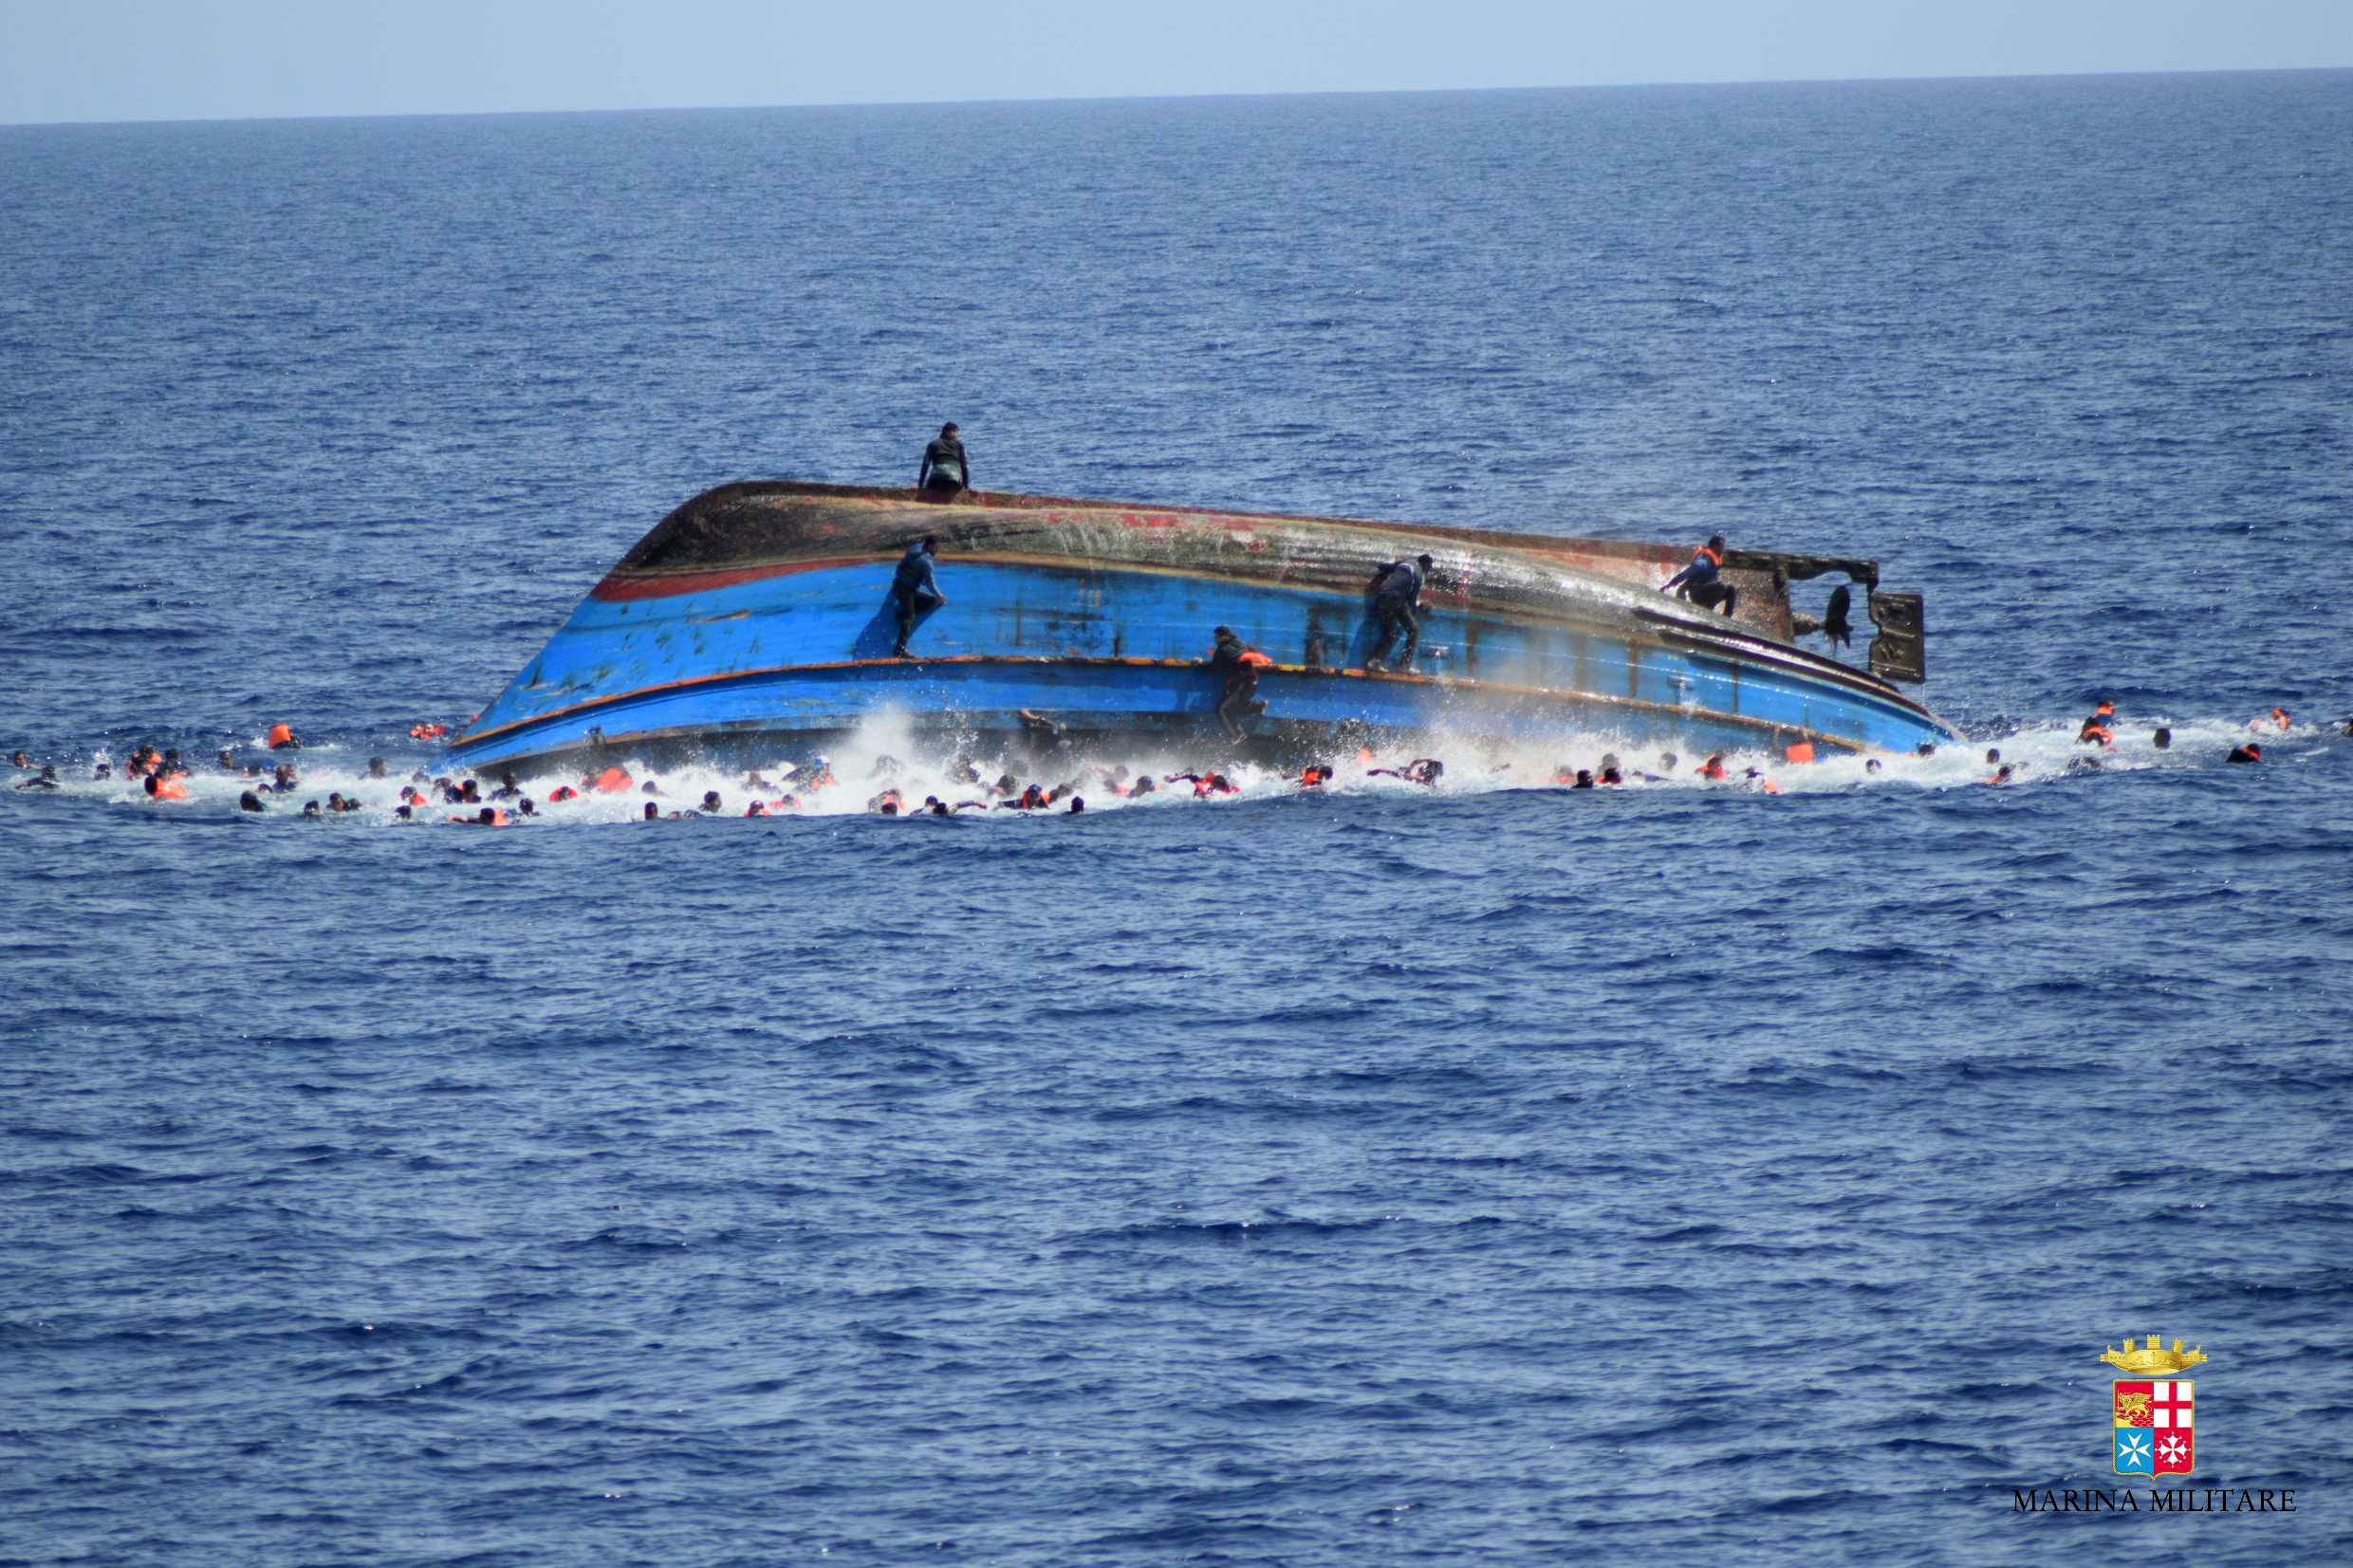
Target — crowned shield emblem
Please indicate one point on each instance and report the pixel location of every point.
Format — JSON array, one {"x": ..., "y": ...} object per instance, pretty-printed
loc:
[
  {"x": 2154, "y": 1418},
  {"x": 2154, "y": 1431}
]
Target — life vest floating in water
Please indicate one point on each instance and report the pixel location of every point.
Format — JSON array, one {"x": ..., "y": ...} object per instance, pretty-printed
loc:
[
  {"x": 281, "y": 736},
  {"x": 428, "y": 731},
  {"x": 612, "y": 780}
]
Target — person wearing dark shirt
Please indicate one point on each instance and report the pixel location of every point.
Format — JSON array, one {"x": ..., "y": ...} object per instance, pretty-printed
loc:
[
  {"x": 915, "y": 588},
  {"x": 1700, "y": 582},
  {"x": 945, "y": 470},
  {"x": 1231, "y": 659},
  {"x": 1396, "y": 593}
]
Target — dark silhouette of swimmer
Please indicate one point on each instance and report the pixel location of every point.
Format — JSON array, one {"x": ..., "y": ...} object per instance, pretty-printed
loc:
[
  {"x": 1233, "y": 659},
  {"x": 1701, "y": 582},
  {"x": 1871, "y": 765},
  {"x": 2251, "y": 752},
  {"x": 1993, "y": 756},
  {"x": 507, "y": 789},
  {"x": 1078, "y": 805},
  {"x": 251, "y": 802},
  {"x": 915, "y": 588},
  {"x": 945, "y": 469},
  {"x": 653, "y": 812},
  {"x": 1396, "y": 590},
  {"x": 1421, "y": 770},
  {"x": 1584, "y": 779},
  {"x": 2162, "y": 740},
  {"x": 18, "y": 760},
  {"x": 45, "y": 779},
  {"x": 1926, "y": 749},
  {"x": 310, "y": 808},
  {"x": 376, "y": 768}
]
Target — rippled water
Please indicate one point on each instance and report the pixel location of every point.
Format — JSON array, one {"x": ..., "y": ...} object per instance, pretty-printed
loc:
[{"x": 1654, "y": 1174}]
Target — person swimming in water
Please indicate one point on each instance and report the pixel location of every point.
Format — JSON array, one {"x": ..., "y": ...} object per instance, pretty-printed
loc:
[
  {"x": 2250, "y": 753},
  {"x": 46, "y": 779},
  {"x": 1421, "y": 770}
]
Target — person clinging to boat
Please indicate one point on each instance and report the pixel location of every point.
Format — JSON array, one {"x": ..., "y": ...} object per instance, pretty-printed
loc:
[
  {"x": 1396, "y": 590},
  {"x": 1701, "y": 582},
  {"x": 1239, "y": 664},
  {"x": 915, "y": 589},
  {"x": 945, "y": 470}
]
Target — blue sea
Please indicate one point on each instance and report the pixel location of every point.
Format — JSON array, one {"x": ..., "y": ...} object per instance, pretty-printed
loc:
[{"x": 1495, "y": 1173}]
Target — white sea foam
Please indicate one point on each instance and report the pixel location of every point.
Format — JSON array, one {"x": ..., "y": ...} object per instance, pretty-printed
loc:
[{"x": 885, "y": 754}]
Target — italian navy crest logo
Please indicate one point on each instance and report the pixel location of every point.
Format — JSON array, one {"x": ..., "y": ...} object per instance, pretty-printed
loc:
[{"x": 2155, "y": 1411}]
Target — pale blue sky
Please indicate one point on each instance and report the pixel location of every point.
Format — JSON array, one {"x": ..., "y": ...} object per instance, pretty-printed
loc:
[{"x": 201, "y": 59}]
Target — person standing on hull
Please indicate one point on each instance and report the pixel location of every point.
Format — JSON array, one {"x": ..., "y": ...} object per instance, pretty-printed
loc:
[
  {"x": 945, "y": 470},
  {"x": 1700, "y": 582},
  {"x": 915, "y": 589},
  {"x": 1396, "y": 593}
]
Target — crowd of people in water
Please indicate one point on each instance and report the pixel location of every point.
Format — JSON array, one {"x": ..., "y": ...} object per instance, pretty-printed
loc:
[{"x": 163, "y": 775}]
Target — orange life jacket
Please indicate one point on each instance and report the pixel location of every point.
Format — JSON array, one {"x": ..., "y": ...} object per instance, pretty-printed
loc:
[
  {"x": 612, "y": 780},
  {"x": 171, "y": 789},
  {"x": 1801, "y": 751},
  {"x": 281, "y": 734},
  {"x": 561, "y": 792},
  {"x": 1711, "y": 769},
  {"x": 428, "y": 731},
  {"x": 1714, "y": 556},
  {"x": 1257, "y": 660}
]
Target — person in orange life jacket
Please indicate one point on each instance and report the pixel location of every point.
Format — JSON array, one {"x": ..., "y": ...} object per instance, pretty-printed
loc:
[
  {"x": 945, "y": 469},
  {"x": 282, "y": 737},
  {"x": 1239, "y": 664},
  {"x": 1700, "y": 582},
  {"x": 1315, "y": 775},
  {"x": 1713, "y": 767},
  {"x": 2095, "y": 733},
  {"x": 2251, "y": 752},
  {"x": 2003, "y": 774},
  {"x": 1396, "y": 590},
  {"x": 2278, "y": 718},
  {"x": 915, "y": 588},
  {"x": 165, "y": 788}
]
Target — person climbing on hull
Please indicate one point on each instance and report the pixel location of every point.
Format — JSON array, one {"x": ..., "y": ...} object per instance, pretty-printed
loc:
[
  {"x": 1397, "y": 594},
  {"x": 915, "y": 589},
  {"x": 1238, "y": 664},
  {"x": 1701, "y": 582}
]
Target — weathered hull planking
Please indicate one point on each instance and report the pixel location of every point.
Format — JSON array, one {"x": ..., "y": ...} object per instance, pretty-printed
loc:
[{"x": 757, "y": 619}]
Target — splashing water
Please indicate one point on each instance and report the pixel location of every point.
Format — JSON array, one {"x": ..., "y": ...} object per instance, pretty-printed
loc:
[{"x": 885, "y": 755}]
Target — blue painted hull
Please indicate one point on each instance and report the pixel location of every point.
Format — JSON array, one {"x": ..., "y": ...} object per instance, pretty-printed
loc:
[{"x": 759, "y": 653}]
